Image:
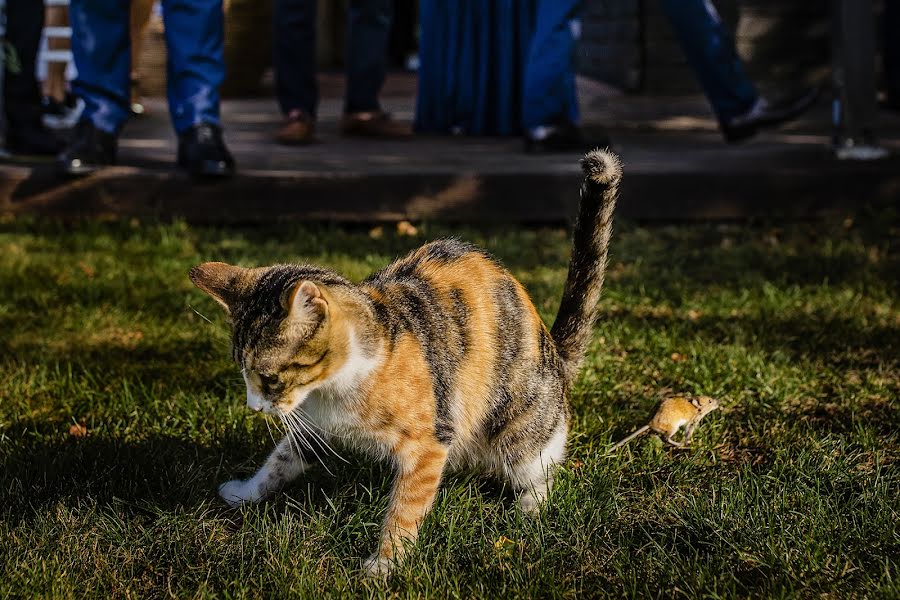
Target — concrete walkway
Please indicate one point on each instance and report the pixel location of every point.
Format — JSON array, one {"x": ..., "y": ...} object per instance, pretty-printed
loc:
[{"x": 676, "y": 167}]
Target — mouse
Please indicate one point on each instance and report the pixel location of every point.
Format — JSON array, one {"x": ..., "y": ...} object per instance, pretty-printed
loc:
[{"x": 672, "y": 414}]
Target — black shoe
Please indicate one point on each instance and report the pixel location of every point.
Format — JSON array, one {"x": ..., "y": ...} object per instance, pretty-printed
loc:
[
  {"x": 91, "y": 149},
  {"x": 562, "y": 138},
  {"x": 766, "y": 114},
  {"x": 32, "y": 140},
  {"x": 202, "y": 152}
]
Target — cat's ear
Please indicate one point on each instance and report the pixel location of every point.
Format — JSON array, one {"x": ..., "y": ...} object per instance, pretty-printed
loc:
[
  {"x": 219, "y": 280},
  {"x": 306, "y": 304}
]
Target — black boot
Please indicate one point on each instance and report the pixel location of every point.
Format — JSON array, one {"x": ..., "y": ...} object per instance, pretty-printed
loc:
[
  {"x": 202, "y": 152},
  {"x": 768, "y": 114},
  {"x": 91, "y": 149}
]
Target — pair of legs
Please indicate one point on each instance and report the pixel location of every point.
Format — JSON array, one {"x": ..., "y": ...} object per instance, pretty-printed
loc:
[
  {"x": 419, "y": 469},
  {"x": 195, "y": 66},
  {"x": 369, "y": 25},
  {"x": 549, "y": 82},
  {"x": 102, "y": 48}
]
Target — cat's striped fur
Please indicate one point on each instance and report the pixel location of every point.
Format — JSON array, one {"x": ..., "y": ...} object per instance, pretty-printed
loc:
[{"x": 439, "y": 360}]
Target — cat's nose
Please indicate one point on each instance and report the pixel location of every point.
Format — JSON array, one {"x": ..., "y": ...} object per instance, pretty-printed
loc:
[{"x": 254, "y": 401}]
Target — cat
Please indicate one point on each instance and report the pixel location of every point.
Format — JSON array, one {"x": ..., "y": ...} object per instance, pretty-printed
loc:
[{"x": 438, "y": 361}]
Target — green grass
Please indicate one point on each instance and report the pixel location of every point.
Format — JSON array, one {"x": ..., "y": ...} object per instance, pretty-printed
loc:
[{"x": 791, "y": 490}]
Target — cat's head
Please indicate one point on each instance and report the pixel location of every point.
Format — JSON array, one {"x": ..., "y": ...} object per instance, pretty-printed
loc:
[{"x": 282, "y": 329}]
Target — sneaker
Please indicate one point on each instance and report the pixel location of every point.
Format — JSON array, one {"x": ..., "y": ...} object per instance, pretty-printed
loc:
[
  {"x": 62, "y": 115},
  {"x": 859, "y": 150},
  {"x": 91, "y": 149},
  {"x": 202, "y": 152},
  {"x": 298, "y": 129},
  {"x": 768, "y": 114},
  {"x": 374, "y": 124}
]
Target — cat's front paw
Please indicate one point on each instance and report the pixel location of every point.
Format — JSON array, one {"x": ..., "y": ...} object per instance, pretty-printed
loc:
[
  {"x": 377, "y": 566},
  {"x": 237, "y": 492}
]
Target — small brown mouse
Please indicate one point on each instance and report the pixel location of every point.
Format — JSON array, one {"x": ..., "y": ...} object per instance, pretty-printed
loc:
[{"x": 672, "y": 414}]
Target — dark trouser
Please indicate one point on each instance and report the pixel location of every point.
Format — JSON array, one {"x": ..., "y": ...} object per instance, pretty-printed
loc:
[
  {"x": 21, "y": 94},
  {"x": 195, "y": 66},
  {"x": 892, "y": 49},
  {"x": 709, "y": 48},
  {"x": 368, "y": 30}
]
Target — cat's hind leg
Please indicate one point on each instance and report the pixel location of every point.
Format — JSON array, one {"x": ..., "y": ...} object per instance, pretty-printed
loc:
[
  {"x": 532, "y": 478},
  {"x": 284, "y": 465}
]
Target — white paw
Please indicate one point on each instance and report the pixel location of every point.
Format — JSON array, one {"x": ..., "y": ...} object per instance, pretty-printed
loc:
[
  {"x": 377, "y": 566},
  {"x": 237, "y": 492},
  {"x": 530, "y": 501}
]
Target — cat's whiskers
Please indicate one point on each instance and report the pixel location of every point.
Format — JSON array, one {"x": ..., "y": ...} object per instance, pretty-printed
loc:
[
  {"x": 308, "y": 425},
  {"x": 291, "y": 434},
  {"x": 303, "y": 431},
  {"x": 269, "y": 427},
  {"x": 226, "y": 341},
  {"x": 307, "y": 434},
  {"x": 309, "y": 421},
  {"x": 296, "y": 431}
]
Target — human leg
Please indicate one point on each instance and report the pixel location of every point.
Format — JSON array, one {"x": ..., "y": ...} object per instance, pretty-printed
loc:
[
  {"x": 549, "y": 82},
  {"x": 709, "y": 48},
  {"x": 196, "y": 66},
  {"x": 367, "y": 36},
  {"x": 100, "y": 46},
  {"x": 368, "y": 31},
  {"x": 294, "y": 59},
  {"x": 891, "y": 20},
  {"x": 21, "y": 95},
  {"x": 295, "y": 56},
  {"x": 195, "y": 70}
]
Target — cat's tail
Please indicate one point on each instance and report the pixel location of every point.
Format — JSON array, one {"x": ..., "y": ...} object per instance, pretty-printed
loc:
[{"x": 575, "y": 320}]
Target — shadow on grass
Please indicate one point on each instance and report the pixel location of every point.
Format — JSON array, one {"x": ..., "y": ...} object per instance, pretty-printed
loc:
[
  {"x": 167, "y": 473},
  {"x": 163, "y": 472}
]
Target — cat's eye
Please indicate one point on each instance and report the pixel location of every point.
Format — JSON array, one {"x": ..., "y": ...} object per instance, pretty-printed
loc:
[{"x": 268, "y": 381}]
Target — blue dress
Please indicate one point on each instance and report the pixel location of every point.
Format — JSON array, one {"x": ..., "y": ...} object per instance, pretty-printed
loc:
[{"x": 472, "y": 55}]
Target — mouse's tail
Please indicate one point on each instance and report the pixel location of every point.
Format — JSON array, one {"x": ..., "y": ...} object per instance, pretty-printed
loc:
[{"x": 637, "y": 433}]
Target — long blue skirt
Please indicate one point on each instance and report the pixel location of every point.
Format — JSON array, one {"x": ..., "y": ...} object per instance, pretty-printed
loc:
[{"x": 473, "y": 55}]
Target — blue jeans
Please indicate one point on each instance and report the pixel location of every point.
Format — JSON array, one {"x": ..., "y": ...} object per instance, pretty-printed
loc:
[
  {"x": 709, "y": 49},
  {"x": 548, "y": 95},
  {"x": 195, "y": 67},
  {"x": 369, "y": 26}
]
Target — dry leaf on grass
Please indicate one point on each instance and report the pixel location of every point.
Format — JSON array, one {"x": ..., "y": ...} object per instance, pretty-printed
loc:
[
  {"x": 678, "y": 357},
  {"x": 78, "y": 430},
  {"x": 88, "y": 269}
]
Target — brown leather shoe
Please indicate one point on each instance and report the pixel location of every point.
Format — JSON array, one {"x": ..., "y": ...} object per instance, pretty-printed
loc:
[
  {"x": 376, "y": 123},
  {"x": 298, "y": 129}
]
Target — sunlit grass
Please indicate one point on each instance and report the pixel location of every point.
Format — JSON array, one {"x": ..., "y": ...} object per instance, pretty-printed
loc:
[{"x": 120, "y": 413}]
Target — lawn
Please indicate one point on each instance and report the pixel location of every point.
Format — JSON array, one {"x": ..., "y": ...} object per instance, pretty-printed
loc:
[{"x": 120, "y": 412}]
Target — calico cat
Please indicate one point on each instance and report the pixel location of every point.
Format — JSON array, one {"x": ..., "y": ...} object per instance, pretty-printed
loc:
[{"x": 439, "y": 360}]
